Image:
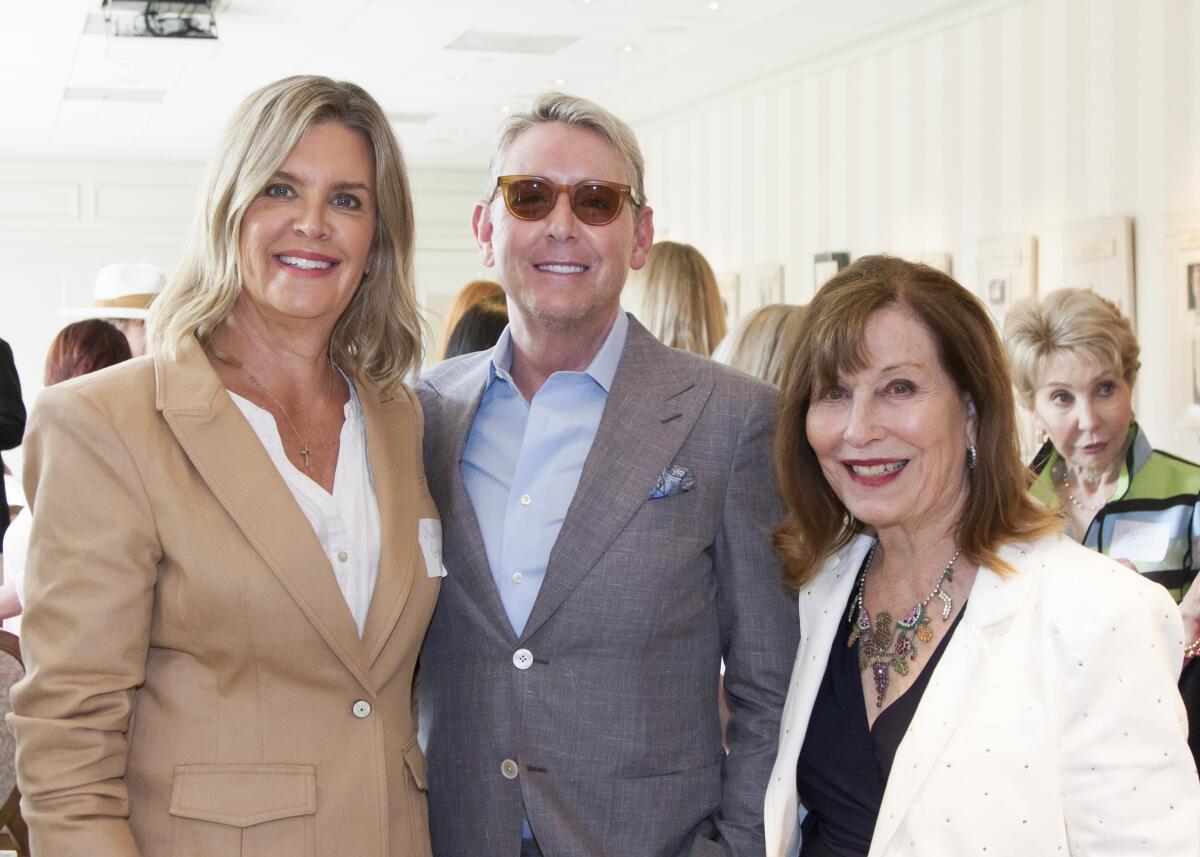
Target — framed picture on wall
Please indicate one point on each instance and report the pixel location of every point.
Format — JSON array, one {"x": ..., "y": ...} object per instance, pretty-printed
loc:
[
  {"x": 826, "y": 267},
  {"x": 1193, "y": 285},
  {"x": 1007, "y": 271},
  {"x": 941, "y": 261},
  {"x": 1098, "y": 255},
  {"x": 759, "y": 285},
  {"x": 1182, "y": 333}
]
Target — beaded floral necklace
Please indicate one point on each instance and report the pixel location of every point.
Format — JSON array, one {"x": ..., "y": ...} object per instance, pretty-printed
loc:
[{"x": 883, "y": 648}]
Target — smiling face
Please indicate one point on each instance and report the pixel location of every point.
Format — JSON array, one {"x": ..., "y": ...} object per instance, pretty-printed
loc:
[
  {"x": 305, "y": 239},
  {"x": 1086, "y": 407},
  {"x": 559, "y": 273},
  {"x": 891, "y": 438}
]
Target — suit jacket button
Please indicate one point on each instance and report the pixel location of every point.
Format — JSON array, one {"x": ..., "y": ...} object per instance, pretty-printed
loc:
[
  {"x": 361, "y": 709},
  {"x": 522, "y": 659},
  {"x": 509, "y": 769}
]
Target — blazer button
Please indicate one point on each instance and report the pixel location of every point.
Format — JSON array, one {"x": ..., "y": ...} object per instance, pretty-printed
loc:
[
  {"x": 509, "y": 769},
  {"x": 522, "y": 659},
  {"x": 361, "y": 709}
]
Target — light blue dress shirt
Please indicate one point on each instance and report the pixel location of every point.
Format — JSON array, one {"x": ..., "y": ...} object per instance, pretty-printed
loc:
[{"x": 522, "y": 464}]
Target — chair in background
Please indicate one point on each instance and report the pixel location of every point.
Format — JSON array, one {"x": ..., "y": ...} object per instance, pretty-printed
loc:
[{"x": 15, "y": 835}]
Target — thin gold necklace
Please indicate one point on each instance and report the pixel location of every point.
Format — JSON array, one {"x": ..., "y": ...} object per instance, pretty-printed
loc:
[{"x": 305, "y": 450}]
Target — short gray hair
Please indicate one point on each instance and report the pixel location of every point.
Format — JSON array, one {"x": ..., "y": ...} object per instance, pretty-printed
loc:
[
  {"x": 579, "y": 113},
  {"x": 1067, "y": 321}
]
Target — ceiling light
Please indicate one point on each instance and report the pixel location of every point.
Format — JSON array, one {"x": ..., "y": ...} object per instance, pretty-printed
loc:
[
  {"x": 560, "y": 82},
  {"x": 714, "y": 6},
  {"x": 628, "y": 49}
]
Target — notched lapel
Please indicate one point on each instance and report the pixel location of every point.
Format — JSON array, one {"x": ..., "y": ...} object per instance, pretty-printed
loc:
[
  {"x": 392, "y": 446},
  {"x": 648, "y": 416},
  {"x": 947, "y": 698},
  {"x": 230, "y": 459},
  {"x": 463, "y": 550}
]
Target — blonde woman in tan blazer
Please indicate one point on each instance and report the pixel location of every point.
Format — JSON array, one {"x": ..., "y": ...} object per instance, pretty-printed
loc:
[{"x": 234, "y": 554}]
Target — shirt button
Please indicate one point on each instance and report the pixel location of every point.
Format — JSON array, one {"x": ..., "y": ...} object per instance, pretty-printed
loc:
[
  {"x": 526, "y": 499},
  {"x": 509, "y": 769},
  {"x": 342, "y": 556},
  {"x": 361, "y": 709},
  {"x": 522, "y": 659},
  {"x": 516, "y": 577}
]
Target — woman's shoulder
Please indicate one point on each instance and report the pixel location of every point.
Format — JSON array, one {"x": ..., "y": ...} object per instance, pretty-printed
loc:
[
  {"x": 1081, "y": 581},
  {"x": 112, "y": 389}
]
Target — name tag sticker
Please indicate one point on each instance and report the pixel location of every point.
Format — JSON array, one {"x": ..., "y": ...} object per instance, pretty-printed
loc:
[
  {"x": 1146, "y": 541},
  {"x": 429, "y": 533}
]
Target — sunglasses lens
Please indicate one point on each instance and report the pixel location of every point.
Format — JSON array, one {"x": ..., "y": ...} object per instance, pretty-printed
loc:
[
  {"x": 596, "y": 204},
  {"x": 530, "y": 199}
]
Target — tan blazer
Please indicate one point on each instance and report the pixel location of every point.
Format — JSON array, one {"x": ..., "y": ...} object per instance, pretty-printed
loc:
[{"x": 197, "y": 685}]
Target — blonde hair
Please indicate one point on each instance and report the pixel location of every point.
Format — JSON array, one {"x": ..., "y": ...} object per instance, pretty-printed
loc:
[
  {"x": 378, "y": 337},
  {"x": 1068, "y": 321},
  {"x": 762, "y": 343},
  {"x": 579, "y": 113},
  {"x": 469, "y": 295},
  {"x": 998, "y": 508},
  {"x": 680, "y": 302}
]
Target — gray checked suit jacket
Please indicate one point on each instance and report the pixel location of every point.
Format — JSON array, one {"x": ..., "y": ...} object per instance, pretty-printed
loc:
[{"x": 614, "y": 727}]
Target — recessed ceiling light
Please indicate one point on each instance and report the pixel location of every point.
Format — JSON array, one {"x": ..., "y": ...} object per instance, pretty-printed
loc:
[
  {"x": 714, "y": 5},
  {"x": 504, "y": 108},
  {"x": 460, "y": 77},
  {"x": 628, "y": 49},
  {"x": 560, "y": 82}
]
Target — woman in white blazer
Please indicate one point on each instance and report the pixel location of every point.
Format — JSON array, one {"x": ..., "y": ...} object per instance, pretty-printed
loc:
[{"x": 968, "y": 681}]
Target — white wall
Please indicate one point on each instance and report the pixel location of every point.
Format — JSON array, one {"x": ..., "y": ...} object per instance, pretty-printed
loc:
[
  {"x": 995, "y": 118},
  {"x": 61, "y": 221}
]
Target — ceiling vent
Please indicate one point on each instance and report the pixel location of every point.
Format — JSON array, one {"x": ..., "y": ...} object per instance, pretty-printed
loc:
[
  {"x": 511, "y": 43},
  {"x": 398, "y": 118}
]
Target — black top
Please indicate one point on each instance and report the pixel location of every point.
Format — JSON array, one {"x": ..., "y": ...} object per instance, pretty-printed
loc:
[
  {"x": 844, "y": 764},
  {"x": 12, "y": 419}
]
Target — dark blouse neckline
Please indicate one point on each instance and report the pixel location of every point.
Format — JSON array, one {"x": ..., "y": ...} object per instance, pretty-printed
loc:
[{"x": 844, "y": 764}]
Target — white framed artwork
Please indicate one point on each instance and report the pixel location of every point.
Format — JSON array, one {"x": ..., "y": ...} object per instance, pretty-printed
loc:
[
  {"x": 1098, "y": 255},
  {"x": 940, "y": 261},
  {"x": 1007, "y": 271},
  {"x": 759, "y": 285}
]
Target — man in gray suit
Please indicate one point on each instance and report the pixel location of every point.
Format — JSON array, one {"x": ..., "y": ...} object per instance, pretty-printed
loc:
[{"x": 607, "y": 504}]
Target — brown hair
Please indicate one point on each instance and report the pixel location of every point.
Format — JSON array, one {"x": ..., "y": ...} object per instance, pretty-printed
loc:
[
  {"x": 469, "y": 295},
  {"x": 84, "y": 347},
  {"x": 680, "y": 302},
  {"x": 998, "y": 508}
]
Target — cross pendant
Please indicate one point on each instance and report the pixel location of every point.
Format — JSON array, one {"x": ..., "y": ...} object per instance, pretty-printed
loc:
[{"x": 304, "y": 455}]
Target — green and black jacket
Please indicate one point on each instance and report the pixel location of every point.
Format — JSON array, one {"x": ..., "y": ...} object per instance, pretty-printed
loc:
[{"x": 1153, "y": 518}]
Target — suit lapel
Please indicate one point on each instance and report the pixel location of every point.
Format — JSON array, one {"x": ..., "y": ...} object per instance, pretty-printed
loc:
[
  {"x": 230, "y": 459},
  {"x": 649, "y": 413},
  {"x": 820, "y": 612},
  {"x": 463, "y": 549},
  {"x": 946, "y": 701},
  {"x": 391, "y": 435}
]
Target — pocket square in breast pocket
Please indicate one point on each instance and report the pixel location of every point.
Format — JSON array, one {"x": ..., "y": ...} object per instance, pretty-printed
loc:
[{"x": 674, "y": 480}]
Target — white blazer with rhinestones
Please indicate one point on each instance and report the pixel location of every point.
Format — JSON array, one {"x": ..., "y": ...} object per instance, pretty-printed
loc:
[{"x": 1051, "y": 724}]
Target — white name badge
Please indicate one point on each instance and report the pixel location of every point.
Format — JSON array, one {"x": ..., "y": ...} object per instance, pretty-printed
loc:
[
  {"x": 1144, "y": 541},
  {"x": 429, "y": 533}
]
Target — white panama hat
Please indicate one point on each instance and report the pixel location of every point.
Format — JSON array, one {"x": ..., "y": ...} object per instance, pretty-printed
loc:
[{"x": 122, "y": 290}]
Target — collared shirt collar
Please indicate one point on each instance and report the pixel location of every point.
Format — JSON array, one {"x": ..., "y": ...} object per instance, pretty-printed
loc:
[{"x": 602, "y": 369}]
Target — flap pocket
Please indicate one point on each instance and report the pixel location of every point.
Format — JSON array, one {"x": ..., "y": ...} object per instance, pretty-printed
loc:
[
  {"x": 415, "y": 760},
  {"x": 244, "y": 795}
]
